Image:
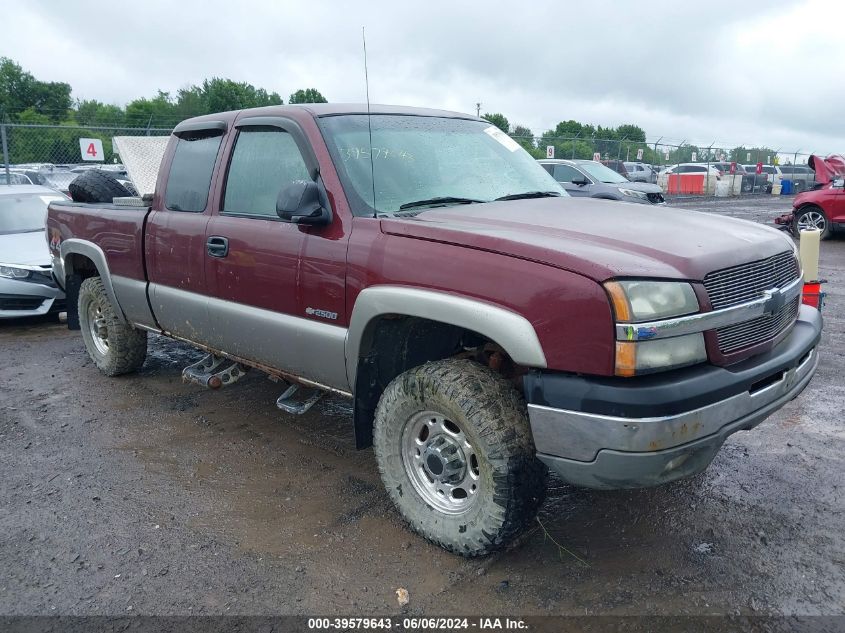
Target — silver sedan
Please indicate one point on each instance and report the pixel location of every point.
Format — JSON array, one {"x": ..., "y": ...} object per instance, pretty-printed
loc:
[{"x": 26, "y": 283}]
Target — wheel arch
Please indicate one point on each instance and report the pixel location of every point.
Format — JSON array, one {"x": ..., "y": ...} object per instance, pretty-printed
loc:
[
  {"x": 82, "y": 259},
  {"x": 394, "y": 328}
]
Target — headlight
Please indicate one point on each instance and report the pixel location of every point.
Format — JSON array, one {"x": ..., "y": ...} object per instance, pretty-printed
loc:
[
  {"x": 639, "y": 301},
  {"x": 13, "y": 273},
  {"x": 633, "y": 194},
  {"x": 643, "y": 357},
  {"x": 650, "y": 300}
]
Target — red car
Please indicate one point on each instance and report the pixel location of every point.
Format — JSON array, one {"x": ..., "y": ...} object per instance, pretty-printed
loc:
[{"x": 824, "y": 207}]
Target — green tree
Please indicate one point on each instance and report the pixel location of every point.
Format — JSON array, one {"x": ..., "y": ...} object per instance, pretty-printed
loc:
[
  {"x": 190, "y": 102},
  {"x": 221, "y": 95},
  {"x": 631, "y": 132},
  {"x": 758, "y": 154},
  {"x": 499, "y": 120},
  {"x": 20, "y": 91},
  {"x": 92, "y": 112},
  {"x": 525, "y": 137},
  {"x": 571, "y": 129},
  {"x": 309, "y": 95},
  {"x": 156, "y": 111}
]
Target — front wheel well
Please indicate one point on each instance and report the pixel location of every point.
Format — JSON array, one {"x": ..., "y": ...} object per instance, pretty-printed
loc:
[{"x": 394, "y": 343}]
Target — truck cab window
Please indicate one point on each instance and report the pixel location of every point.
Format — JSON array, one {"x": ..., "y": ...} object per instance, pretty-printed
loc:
[
  {"x": 190, "y": 172},
  {"x": 264, "y": 161}
]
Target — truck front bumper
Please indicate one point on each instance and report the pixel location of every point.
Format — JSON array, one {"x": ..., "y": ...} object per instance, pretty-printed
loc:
[{"x": 611, "y": 433}]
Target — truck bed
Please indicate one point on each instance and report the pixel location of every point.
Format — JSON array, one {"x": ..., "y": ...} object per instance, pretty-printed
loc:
[{"x": 117, "y": 229}]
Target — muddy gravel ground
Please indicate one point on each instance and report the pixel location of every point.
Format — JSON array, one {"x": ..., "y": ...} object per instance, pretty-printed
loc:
[{"x": 144, "y": 495}]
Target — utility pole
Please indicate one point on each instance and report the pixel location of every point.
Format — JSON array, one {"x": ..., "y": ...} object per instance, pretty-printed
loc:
[{"x": 478, "y": 109}]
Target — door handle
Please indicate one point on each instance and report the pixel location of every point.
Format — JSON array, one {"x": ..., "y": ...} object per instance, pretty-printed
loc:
[{"x": 217, "y": 246}]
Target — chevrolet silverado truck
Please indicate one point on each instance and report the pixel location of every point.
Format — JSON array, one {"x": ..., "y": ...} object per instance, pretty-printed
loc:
[{"x": 486, "y": 326}]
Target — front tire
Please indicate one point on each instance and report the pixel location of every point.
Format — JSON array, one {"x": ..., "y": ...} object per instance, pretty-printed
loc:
[
  {"x": 812, "y": 217},
  {"x": 455, "y": 452},
  {"x": 115, "y": 346}
]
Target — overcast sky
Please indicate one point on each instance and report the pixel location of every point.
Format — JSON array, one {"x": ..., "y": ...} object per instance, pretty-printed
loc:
[{"x": 749, "y": 72}]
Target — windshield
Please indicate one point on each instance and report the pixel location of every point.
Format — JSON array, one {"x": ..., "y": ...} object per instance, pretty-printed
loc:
[
  {"x": 14, "y": 179},
  {"x": 23, "y": 213},
  {"x": 59, "y": 179},
  {"x": 417, "y": 158},
  {"x": 602, "y": 173}
]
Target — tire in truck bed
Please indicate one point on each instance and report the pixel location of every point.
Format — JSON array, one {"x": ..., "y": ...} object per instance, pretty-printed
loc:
[{"x": 95, "y": 186}]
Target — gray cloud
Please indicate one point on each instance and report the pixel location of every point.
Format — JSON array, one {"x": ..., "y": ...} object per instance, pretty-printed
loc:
[{"x": 753, "y": 74}]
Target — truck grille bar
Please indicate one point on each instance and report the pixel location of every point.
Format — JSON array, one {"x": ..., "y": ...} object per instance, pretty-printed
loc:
[{"x": 746, "y": 282}]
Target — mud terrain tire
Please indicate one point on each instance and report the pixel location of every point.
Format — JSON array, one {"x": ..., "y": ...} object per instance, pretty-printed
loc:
[
  {"x": 96, "y": 186},
  {"x": 115, "y": 346},
  {"x": 477, "y": 413}
]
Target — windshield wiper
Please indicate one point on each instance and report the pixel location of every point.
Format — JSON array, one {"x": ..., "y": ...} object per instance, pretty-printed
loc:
[
  {"x": 530, "y": 194},
  {"x": 441, "y": 201}
]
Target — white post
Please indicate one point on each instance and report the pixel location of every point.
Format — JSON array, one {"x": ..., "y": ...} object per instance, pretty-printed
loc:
[{"x": 808, "y": 250}]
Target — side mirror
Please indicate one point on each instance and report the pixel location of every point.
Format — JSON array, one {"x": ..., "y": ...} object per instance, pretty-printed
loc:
[
  {"x": 839, "y": 183},
  {"x": 300, "y": 202},
  {"x": 581, "y": 182}
]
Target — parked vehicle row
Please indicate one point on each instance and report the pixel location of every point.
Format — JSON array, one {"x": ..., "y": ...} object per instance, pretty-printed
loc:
[
  {"x": 57, "y": 177},
  {"x": 588, "y": 178}
]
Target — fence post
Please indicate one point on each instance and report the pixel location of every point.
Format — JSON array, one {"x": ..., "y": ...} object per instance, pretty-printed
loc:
[{"x": 5, "y": 152}]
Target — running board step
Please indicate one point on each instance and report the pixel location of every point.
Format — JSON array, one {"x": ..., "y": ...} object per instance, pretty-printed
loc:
[
  {"x": 212, "y": 372},
  {"x": 298, "y": 408}
]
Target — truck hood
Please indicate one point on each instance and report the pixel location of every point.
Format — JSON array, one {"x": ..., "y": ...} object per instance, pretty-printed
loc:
[
  {"x": 29, "y": 249},
  {"x": 827, "y": 169},
  {"x": 599, "y": 239}
]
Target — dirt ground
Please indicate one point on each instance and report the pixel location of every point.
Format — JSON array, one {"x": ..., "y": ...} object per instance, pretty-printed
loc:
[{"x": 144, "y": 495}]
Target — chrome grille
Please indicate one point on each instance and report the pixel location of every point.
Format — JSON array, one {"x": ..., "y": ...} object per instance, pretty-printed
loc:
[
  {"x": 735, "y": 337},
  {"x": 747, "y": 282}
]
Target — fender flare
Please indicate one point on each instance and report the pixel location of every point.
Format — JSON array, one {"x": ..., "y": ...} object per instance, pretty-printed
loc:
[
  {"x": 74, "y": 246},
  {"x": 512, "y": 331}
]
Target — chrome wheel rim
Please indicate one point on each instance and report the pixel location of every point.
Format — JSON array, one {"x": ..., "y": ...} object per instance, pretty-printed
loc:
[
  {"x": 98, "y": 328},
  {"x": 441, "y": 462},
  {"x": 811, "y": 220}
]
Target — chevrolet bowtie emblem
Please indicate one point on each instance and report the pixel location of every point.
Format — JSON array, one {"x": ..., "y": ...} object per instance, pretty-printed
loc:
[{"x": 775, "y": 300}]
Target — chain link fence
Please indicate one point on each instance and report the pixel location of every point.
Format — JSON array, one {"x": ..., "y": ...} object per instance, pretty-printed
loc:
[
  {"x": 682, "y": 168},
  {"x": 53, "y": 155}
]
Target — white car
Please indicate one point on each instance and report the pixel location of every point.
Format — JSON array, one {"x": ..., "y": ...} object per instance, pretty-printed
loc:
[
  {"x": 640, "y": 172},
  {"x": 26, "y": 281}
]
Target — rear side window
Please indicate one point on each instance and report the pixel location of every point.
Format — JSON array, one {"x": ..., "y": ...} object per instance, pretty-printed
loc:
[
  {"x": 190, "y": 172},
  {"x": 264, "y": 161},
  {"x": 565, "y": 173}
]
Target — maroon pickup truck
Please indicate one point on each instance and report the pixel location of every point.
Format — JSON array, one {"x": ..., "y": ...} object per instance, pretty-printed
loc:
[{"x": 485, "y": 325}]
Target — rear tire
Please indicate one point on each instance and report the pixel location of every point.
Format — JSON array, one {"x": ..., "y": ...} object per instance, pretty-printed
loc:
[
  {"x": 96, "y": 186},
  {"x": 812, "y": 216},
  {"x": 115, "y": 346},
  {"x": 455, "y": 452}
]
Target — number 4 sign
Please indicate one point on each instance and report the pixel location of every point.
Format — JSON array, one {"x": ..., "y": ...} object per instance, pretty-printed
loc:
[{"x": 91, "y": 148}]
